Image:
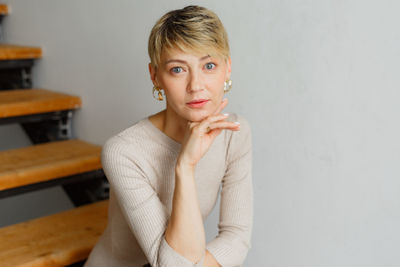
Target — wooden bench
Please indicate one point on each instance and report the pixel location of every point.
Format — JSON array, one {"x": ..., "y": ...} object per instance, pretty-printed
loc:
[
  {"x": 3, "y": 10},
  {"x": 67, "y": 237},
  {"x": 56, "y": 240},
  {"x": 33, "y": 101},
  {"x": 47, "y": 161},
  {"x": 13, "y": 52}
]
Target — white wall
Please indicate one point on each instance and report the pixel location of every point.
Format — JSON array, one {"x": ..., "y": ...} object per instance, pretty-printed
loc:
[{"x": 316, "y": 80}]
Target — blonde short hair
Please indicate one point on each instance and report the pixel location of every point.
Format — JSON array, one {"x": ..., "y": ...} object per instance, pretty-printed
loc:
[{"x": 190, "y": 29}]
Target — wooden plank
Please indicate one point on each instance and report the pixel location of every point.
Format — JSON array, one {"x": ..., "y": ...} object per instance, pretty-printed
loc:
[
  {"x": 56, "y": 240},
  {"x": 10, "y": 52},
  {"x": 33, "y": 101},
  {"x": 47, "y": 161},
  {"x": 3, "y": 9}
]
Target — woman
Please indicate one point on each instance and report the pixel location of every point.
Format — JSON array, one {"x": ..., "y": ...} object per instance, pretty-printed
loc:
[{"x": 165, "y": 171}]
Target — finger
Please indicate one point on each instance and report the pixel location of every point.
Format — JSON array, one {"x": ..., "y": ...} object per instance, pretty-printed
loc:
[
  {"x": 204, "y": 125},
  {"x": 214, "y": 133},
  {"x": 224, "y": 125},
  {"x": 214, "y": 118},
  {"x": 192, "y": 124},
  {"x": 221, "y": 106}
]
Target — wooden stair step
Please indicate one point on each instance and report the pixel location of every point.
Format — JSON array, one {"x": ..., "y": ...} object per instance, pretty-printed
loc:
[
  {"x": 56, "y": 240},
  {"x": 15, "y": 52},
  {"x": 33, "y": 101},
  {"x": 44, "y": 162},
  {"x": 3, "y": 9}
]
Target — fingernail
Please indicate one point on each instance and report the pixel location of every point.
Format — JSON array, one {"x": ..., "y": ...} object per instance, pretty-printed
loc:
[
  {"x": 236, "y": 122},
  {"x": 226, "y": 114},
  {"x": 223, "y": 100}
]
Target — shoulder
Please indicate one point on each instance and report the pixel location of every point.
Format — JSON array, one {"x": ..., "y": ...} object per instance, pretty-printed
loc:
[
  {"x": 238, "y": 142},
  {"x": 126, "y": 153},
  {"x": 135, "y": 135},
  {"x": 245, "y": 128},
  {"x": 244, "y": 124}
]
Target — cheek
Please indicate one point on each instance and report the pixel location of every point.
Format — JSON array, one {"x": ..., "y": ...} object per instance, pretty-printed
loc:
[
  {"x": 172, "y": 87},
  {"x": 220, "y": 78},
  {"x": 218, "y": 85},
  {"x": 218, "y": 92},
  {"x": 175, "y": 94}
]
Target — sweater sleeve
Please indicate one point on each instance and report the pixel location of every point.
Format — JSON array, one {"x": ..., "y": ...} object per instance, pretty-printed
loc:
[
  {"x": 144, "y": 212},
  {"x": 232, "y": 243}
]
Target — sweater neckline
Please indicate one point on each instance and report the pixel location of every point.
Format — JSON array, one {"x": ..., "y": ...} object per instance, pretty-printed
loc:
[{"x": 162, "y": 136}]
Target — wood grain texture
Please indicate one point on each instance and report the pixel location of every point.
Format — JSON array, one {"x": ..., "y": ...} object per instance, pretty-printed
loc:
[
  {"x": 9, "y": 52},
  {"x": 47, "y": 161},
  {"x": 33, "y": 101},
  {"x": 56, "y": 240},
  {"x": 3, "y": 9}
]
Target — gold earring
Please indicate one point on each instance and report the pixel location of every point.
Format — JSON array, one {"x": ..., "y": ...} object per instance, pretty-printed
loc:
[
  {"x": 227, "y": 86},
  {"x": 160, "y": 96}
]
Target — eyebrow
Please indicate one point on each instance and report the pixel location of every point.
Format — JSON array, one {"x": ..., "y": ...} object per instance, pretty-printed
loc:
[{"x": 183, "y": 61}]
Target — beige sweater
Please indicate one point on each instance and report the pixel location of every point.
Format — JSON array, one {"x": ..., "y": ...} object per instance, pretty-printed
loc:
[{"x": 139, "y": 163}]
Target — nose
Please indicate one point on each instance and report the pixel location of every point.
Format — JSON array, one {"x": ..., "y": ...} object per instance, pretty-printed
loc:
[{"x": 195, "y": 82}]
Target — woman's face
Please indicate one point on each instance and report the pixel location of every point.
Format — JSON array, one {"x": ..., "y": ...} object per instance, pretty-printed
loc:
[{"x": 193, "y": 84}]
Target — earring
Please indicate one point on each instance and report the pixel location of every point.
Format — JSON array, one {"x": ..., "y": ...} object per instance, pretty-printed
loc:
[
  {"x": 227, "y": 86},
  {"x": 160, "y": 96}
]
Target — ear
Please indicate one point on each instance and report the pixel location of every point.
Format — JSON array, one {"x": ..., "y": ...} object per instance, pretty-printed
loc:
[
  {"x": 229, "y": 68},
  {"x": 153, "y": 73}
]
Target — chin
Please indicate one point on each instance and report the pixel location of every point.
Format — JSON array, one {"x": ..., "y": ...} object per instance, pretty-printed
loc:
[{"x": 198, "y": 115}]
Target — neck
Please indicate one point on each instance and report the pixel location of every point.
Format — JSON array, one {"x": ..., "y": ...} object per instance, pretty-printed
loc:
[
  {"x": 171, "y": 124},
  {"x": 174, "y": 125}
]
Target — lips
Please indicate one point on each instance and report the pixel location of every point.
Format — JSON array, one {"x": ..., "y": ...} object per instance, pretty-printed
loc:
[{"x": 198, "y": 103}]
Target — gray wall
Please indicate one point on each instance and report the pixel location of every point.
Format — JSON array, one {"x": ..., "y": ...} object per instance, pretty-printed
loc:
[{"x": 316, "y": 80}]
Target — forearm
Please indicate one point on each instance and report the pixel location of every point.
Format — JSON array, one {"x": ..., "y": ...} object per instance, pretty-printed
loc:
[
  {"x": 185, "y": 230},
  {"x": 210, "y": 261}
]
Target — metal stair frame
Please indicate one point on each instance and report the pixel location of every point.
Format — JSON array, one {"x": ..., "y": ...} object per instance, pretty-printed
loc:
[
  {"x": 84, "y": 188},
  {"x": 16, "y": 74}
]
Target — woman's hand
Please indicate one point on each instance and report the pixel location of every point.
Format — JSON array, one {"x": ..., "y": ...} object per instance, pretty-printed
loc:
[{"x": 200, "y": 135}]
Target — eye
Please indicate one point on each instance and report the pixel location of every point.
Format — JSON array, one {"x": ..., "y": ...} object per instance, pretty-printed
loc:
[
  {"x": 210, "y": 66},
  {"x": 177, "y": 69}
]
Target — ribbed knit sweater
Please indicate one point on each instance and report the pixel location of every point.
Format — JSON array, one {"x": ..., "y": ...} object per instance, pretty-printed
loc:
[{"x": 139, "y": 163}]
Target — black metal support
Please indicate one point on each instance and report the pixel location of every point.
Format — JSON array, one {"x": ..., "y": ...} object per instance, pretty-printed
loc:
[
  {"x": 16, "y": 74},
  {"x": 32, "y": 118},
  {"x": 86, "y": 192},
  {"x": 64, "y": 181},
  {"x": 46, "y": 127},
  {"x": 56, "y": 126}
]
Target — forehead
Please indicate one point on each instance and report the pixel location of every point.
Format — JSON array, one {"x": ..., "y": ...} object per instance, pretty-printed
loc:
[{"x": 189, "y": 54}]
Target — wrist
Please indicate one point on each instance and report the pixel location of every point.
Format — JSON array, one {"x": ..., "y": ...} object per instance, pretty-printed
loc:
[{"x": 182, "y": 167}]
